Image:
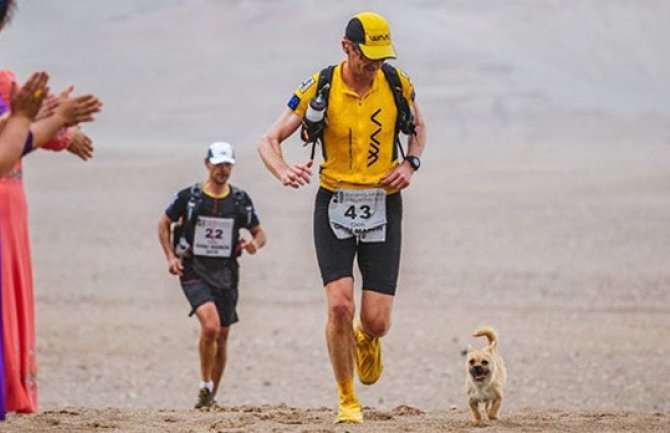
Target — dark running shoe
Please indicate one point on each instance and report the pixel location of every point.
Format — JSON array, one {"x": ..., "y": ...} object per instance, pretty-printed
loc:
[{"x": 205, "y": 398}]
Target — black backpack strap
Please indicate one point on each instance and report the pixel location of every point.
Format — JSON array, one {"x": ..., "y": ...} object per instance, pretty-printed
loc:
[
  {"x": 242, "y": 210},
  {"x": 182, "y": 236},
  {"x": 325, "y": 77},
  {"x": 192, "y": 208},
  {"x": 195, "y": 194},
  {"x": 405, "y": 119}
]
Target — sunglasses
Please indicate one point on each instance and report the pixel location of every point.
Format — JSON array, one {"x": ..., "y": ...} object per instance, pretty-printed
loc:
[{"x": 359, "y": 52}]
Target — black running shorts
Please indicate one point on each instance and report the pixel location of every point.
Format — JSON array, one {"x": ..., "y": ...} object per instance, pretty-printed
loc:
[
  {"x": 379, "y": 262},
  {"x": 198, "y": 293}
]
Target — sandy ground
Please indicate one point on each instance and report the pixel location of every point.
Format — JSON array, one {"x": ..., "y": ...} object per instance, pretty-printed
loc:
[
  {"x": 266, "y": 419},
  {"x": 542, "y": 208}
]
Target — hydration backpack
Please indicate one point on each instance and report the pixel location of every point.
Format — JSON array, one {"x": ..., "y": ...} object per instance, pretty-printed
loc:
[
  {"x": 404, "y": 121},
  {"x": 182, "y": 234}
]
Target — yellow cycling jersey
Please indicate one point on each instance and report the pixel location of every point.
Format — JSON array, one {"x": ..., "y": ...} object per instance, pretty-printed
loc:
[{"x": 359, "y": 139}]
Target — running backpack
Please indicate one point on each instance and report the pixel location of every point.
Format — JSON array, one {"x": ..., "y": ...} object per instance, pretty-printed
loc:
[
  {"x": 404, "y": 121},
  {"x": 181, "y": 242}
]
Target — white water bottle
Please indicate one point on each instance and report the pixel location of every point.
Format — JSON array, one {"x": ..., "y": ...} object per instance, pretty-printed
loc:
[{"x": 316, "y": 110}]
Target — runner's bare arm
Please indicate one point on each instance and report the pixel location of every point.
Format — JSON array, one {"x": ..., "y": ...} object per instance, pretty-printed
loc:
[
  {"x": 174, "y": 263},
  {"x": 256, "y": 242},
  {"x": 417, "y": 142},
  {"x": 401, "y": 176},
  {"x": 269, "y": 149}
]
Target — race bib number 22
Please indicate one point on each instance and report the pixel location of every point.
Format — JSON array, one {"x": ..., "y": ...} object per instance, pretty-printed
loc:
[{"x": 213, "y": 237}]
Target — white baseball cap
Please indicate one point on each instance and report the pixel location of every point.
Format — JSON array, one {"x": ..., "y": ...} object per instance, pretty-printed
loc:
[{"x": 220, "y": 152}]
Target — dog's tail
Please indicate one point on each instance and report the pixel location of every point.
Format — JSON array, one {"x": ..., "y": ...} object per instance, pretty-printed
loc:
[{"x": 489, "y": 333}]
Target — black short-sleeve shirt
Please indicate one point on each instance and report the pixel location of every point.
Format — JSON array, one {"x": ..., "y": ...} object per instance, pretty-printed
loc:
[{"x": 236, "y": 205}]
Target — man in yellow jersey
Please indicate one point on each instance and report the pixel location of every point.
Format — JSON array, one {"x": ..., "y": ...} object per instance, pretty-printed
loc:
[
  {"x": 358, "y": 208},
  {"x": 204, "y": 251}
]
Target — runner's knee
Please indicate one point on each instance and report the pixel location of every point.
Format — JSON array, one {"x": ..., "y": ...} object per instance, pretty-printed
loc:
[
  {"x": 341, "y": 311},
  {"x": 340, "y": 301},
  {"x": 210, "y": 331},
  {"x": 376, "y": 326}
]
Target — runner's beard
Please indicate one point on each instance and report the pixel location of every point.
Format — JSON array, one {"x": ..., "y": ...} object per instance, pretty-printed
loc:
[{"x": 220, "y": 179}]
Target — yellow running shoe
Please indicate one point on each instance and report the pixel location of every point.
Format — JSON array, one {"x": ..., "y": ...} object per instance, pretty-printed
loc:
[
  {"x": 369, "y": 364},
  {"x": 350, "y": 412}
]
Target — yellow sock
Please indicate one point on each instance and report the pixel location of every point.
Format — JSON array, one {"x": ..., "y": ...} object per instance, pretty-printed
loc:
[
  {"x": 349, "y": 410},
  {"x": 347, "y": 391}
]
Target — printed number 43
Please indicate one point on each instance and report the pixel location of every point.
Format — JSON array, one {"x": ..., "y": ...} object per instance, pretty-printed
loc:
[{"x": 364, "y": 212}]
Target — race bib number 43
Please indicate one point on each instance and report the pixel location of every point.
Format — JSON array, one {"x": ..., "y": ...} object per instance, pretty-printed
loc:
[
  {"x": 359, "y": 213},
  {"x": 213, "y": 237}
]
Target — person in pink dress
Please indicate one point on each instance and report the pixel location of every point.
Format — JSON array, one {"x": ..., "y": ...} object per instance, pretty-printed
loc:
[
  {"x": 15, "y": 138},
  {"x": 55, "y": 129}
]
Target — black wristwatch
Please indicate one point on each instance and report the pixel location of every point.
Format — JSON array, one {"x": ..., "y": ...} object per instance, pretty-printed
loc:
[{"x": 414, "y": 161}]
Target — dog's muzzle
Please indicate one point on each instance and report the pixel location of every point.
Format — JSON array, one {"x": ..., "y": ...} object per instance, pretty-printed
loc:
[{"x": 478, "y": 373}]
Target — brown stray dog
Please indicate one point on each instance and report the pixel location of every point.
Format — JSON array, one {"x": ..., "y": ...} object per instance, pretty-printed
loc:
[{"x": 484, "y": 377}]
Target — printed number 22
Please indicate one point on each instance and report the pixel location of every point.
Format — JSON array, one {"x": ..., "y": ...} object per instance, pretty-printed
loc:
[
  {"x": 214, "y": 234},
  {"x": 365, "y": 212}
]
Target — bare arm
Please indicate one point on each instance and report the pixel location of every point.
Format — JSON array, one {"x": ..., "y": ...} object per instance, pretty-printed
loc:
[
  {"x": 417, "y": 142},
  {"x": 3, "y": 120},
  {"x": 24, "y": 107},
  {"x": 269, "y": 148},
  {"x": 401, "y": 176},
  {"x": 258, "y": 240},
  {"x": 174, "y": 263},
  {"x": 12, "y": 141},
  {"x": 69, "y": 112}
]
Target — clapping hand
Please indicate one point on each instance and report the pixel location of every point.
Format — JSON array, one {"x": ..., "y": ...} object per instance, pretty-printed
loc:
[
  {"x": 28, "y": 100},
  {"x": 81, "y": 145},
  {"x": 78, "y": 109}
]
